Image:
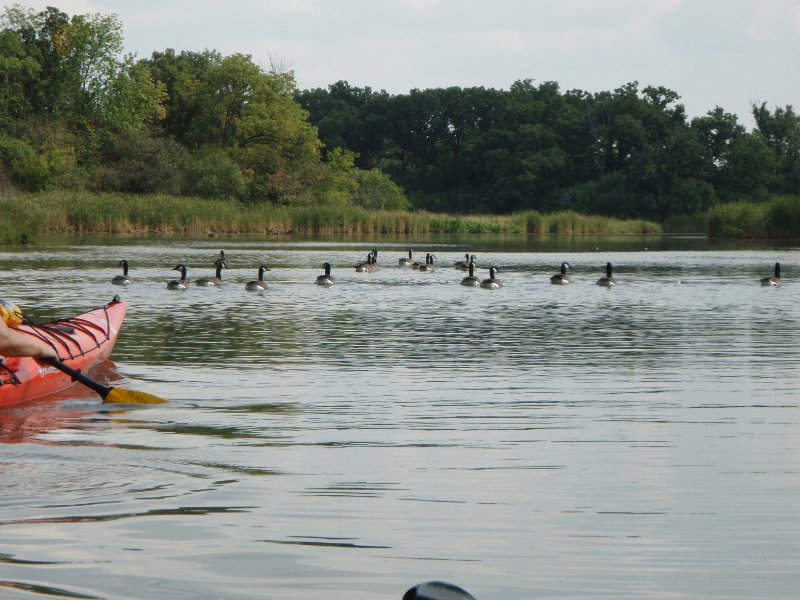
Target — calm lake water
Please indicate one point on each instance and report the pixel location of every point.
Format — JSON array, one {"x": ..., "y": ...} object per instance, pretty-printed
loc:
[{"x": 536, "y": 441}]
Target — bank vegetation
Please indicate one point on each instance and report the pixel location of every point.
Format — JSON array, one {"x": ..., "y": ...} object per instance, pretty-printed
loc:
[
  {"x": 24, "y": 216},
  {"x": 195, "y": 140}
]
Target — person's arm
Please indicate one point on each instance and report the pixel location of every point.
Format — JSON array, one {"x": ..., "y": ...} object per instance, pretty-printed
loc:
[{"x": 14, "y": 343}]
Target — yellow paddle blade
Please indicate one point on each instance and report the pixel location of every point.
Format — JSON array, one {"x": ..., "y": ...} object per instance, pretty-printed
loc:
[{"x": 122, "y": 396}]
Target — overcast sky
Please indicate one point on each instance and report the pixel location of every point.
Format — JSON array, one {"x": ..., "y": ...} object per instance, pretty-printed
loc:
[{"x": 727, "y": 53}]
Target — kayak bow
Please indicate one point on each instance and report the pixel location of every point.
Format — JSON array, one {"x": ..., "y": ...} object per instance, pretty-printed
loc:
[{"x": 82, "y": 342}]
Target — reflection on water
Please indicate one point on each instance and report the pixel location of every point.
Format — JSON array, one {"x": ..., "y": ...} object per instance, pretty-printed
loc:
[{"x": 535, "y": 441}]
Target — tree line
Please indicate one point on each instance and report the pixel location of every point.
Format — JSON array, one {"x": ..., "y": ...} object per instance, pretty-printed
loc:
[
  {"x": 77, "y": 114},
  {"x": 631, "y": 152}
]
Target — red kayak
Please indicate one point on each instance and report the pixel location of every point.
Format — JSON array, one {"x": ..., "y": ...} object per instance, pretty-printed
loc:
[{"x": 81, "y": 342}]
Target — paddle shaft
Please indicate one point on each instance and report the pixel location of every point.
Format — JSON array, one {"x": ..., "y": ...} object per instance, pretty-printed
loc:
[
  {"x": 109, "y": 394},
  {"x": 79, "y": 377}
]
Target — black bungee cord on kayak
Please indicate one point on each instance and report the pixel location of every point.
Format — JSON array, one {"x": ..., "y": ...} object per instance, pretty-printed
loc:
[{"x": 58, "y": 332}]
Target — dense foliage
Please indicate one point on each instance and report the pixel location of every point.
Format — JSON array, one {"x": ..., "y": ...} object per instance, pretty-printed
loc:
[
  {"x": 631, "y": 152},
  {"x": 77, "y": 114}
]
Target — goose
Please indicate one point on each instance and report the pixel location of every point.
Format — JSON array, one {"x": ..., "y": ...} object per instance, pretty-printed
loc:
[
  {"x": 608, "y": 280},
  {"x": 463, "y": 265},
  {"x": 327, "y": 279},
  {"x": 362, "y": 266},
  {"x": 428, "y": 266},
  {"x": 562, "y": 277},
  {"x": 492, "y": 283},
  {"x": 122, "y": 279},
  {"x": 421, "y": 265},
  {"x": 471, "y": 280},
  {"x": 258, "y": 285},
  {"x": 215, "y": 281},
  {"x": 775, "y": 280},
  {"x": 407, "y": 261},
  {"x": 178, "y": 284},
  {"x": 370, "y": 264}
]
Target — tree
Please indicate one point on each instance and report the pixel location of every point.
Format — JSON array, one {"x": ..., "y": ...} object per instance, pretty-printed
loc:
[
  {"x": 81, "y": 78},
  {"x": 89, "y": 47},
  {"x": 520, "y": 168},
  {"x": 781, "y": 130},
  {"x": 133, "y": 99},
  {"x": 232, "y": 90},
  {"x": 275, "y": 140},
  {"x": 40, "y": 35},
  {"x": 231, "y": 103},
  {"x": 350, "y": 117},
  {"x": 716, "y": 133},
  {"x": 82, "y": 74},
  {"x": 182, "y": 76},
  {"x": 418, "y": 127},
  {"x": 17, "y": 70},
  {"x": 750, "y": 169}
]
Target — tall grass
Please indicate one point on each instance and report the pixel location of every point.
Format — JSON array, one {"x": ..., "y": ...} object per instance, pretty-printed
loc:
[
  {"x": 778, "y": 218},
  {"x": 783, "y": 217},
  {"x": 76, "y": 212},
  {"x": 572, "y": 223}
]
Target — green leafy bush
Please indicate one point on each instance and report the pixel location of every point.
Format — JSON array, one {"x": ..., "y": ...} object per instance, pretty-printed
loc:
[
  {"x": 213, "y": 174},
  {"x": 26, "y": 167},
  {"x": 139, "y": 163},
  {"x": 377, "y": 191}
]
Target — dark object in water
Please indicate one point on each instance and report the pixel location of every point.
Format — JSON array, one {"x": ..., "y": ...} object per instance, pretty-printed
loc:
[{"x": 437, "y": 590}]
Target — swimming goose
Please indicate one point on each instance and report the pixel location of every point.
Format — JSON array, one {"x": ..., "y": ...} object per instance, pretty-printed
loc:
[
  {"x": 608, "y": 280},
  {"x": 215, "y": 281},
  {"x": 178, "y": 284},
  {"x": 775, "y": 280},
  {"x": 471, "y": 280},
  {"x": 421, "y": 265},
  {"x": 492, "y": 283},
  {"x": 428, "y": 266},
  {"x": 362, "y": 266},
  {"x": 122, "y": 279},
  {"x": 406, "y": 262},
  {"x": 562, "y": 277},
  {"x": 327, "y": 279},
  {"x": 369, "y": 264},
  {"x": 258, "y": 285},
  {"x": 463, "y": 265}
]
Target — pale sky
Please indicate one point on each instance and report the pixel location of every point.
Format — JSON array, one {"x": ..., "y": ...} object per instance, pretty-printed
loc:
[{"x": 727, "y": 53}]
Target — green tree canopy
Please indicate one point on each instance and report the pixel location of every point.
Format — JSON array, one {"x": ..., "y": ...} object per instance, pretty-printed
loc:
[{"x": 76, "y": 112}]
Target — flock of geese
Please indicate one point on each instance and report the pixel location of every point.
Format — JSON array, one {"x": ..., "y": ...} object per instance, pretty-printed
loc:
[{"x": 371, "y": 264}]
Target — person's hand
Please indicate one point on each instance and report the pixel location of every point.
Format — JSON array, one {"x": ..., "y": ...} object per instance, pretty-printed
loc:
[{"x": 46, "y": 354}]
